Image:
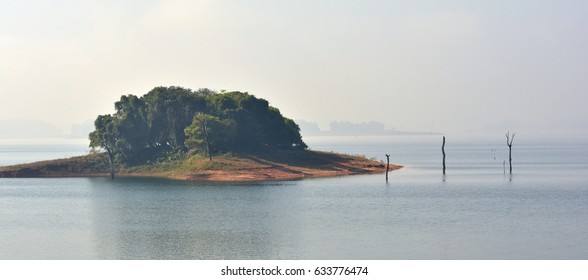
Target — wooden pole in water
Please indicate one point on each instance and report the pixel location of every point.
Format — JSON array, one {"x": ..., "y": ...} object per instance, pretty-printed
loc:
[
  {"x": 509, "y": 144},
  {"x": 443, "y": 151},
  {"x": 387, "y": 166}
]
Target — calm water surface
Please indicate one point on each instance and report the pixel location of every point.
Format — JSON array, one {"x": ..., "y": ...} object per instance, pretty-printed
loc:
[{"x": 474, "y": 212}]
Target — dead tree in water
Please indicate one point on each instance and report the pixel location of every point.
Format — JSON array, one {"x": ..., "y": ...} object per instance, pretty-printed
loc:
[
  {"x": 387, "y": 166},
  {"x": 443, "y": 151},
  {"x": 509, "y": 139}
]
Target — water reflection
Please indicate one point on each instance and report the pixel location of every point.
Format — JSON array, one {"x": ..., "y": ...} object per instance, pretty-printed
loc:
[
  {"x": 161, "y": 219},
  {"x": 475, "y": 215}
]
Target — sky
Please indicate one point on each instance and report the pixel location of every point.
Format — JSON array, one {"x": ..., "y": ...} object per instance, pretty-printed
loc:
[{"x": 412, "y": 65}]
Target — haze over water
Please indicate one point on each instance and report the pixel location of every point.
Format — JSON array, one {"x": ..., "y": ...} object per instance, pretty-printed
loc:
[
  {"x": 474, "y": 212},
  {"x": 429, "y": 65}
]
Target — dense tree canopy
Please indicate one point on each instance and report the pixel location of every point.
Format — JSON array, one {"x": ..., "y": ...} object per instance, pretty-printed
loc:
[
  {"x": 169, "y": 121},
  {"x": 211, "y": 134}
]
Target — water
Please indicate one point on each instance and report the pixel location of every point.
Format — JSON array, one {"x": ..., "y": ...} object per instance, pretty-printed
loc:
[
  {"x": 476, "y": 211},
  {"x": 16, "y": 151}
]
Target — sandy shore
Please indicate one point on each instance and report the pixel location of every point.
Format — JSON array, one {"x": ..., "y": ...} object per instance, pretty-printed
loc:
[
  {"x": 274, "y": 166},
  {"x": 278, "y": 172}
]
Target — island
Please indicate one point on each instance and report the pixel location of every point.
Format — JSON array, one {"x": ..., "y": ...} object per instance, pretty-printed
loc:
[{"x": 203, "y": 135}]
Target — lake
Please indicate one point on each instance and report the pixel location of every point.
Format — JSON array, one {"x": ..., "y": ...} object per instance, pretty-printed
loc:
[{"x": 476, "y": 211}]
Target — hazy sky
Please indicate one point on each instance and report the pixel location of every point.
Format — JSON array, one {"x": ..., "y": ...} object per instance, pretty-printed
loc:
[{"x": 414, "y": 65}]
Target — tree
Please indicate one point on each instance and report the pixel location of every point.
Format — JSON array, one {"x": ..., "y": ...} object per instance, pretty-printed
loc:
[
  {"x": 105, "y": 136},
  {"x": 168, "y": 111},
  {"x": 132, "y": 129},
  {"x": 210, "y": 133},
  {"x": 509, "y": 139},
  {"x": 160, "y": 125}
]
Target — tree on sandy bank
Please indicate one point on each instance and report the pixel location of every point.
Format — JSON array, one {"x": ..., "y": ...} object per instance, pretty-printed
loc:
[
  {"x": 105, "y": 136},
  {"x": 209, "y": 133},
  {"x": 160, "y": 126}
]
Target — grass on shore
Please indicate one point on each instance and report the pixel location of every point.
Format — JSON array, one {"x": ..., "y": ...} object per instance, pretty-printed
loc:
[
  {"x": 93, "y": 164},
  {"x": 276, "y": 164}
]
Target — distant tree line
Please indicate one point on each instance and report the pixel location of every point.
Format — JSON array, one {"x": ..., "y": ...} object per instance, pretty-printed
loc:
[{"x": 168, "y": 122}]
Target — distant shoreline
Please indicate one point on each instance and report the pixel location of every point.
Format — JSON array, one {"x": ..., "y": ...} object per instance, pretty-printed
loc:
[
  {"x": 384, "y": 133},
  {"x": 277, "y": 165}
]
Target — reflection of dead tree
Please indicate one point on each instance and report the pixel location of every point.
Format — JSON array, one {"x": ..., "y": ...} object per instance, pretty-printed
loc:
[
  {"x": 443, "y": 151},
  {"x": 509, "y": 139},
  {"x": 387, "y": 166}
]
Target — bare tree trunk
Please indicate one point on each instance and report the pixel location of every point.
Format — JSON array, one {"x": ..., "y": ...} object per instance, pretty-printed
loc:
[
  {"x": 387, "y": 166},
  {"x": 509, "y": 139},
  {"x": 204, "y": 125},
  {"x": 206, "y": 141},
  {"x": 443, "y": 151},
  {"x": 111, "y": 161},
  {"x": 510, "y": 159}
]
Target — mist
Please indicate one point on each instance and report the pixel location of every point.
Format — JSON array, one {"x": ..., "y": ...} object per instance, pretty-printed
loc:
[{"x": 431, "y": 66}]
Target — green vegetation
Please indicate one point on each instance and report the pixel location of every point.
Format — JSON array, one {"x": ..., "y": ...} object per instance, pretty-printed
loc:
[
  {"x": 176, "y": 133},
  {"x": 169, "y": 122},
  {"x": 210, "y": 133}
]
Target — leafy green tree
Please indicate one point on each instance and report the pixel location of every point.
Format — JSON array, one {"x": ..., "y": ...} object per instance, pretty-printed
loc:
[
  {"x": 132, "y": 129},
  {"x": 164, "y": 124},
  {"x": 168, "y": 111},
  {"x": 210, "y": 133},
  {"x": 152, "y": 126},
  {"x": 105, "y": 136}
]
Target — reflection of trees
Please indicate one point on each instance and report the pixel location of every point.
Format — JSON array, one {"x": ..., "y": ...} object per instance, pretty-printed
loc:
[{"x": 152, "y": 219}]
